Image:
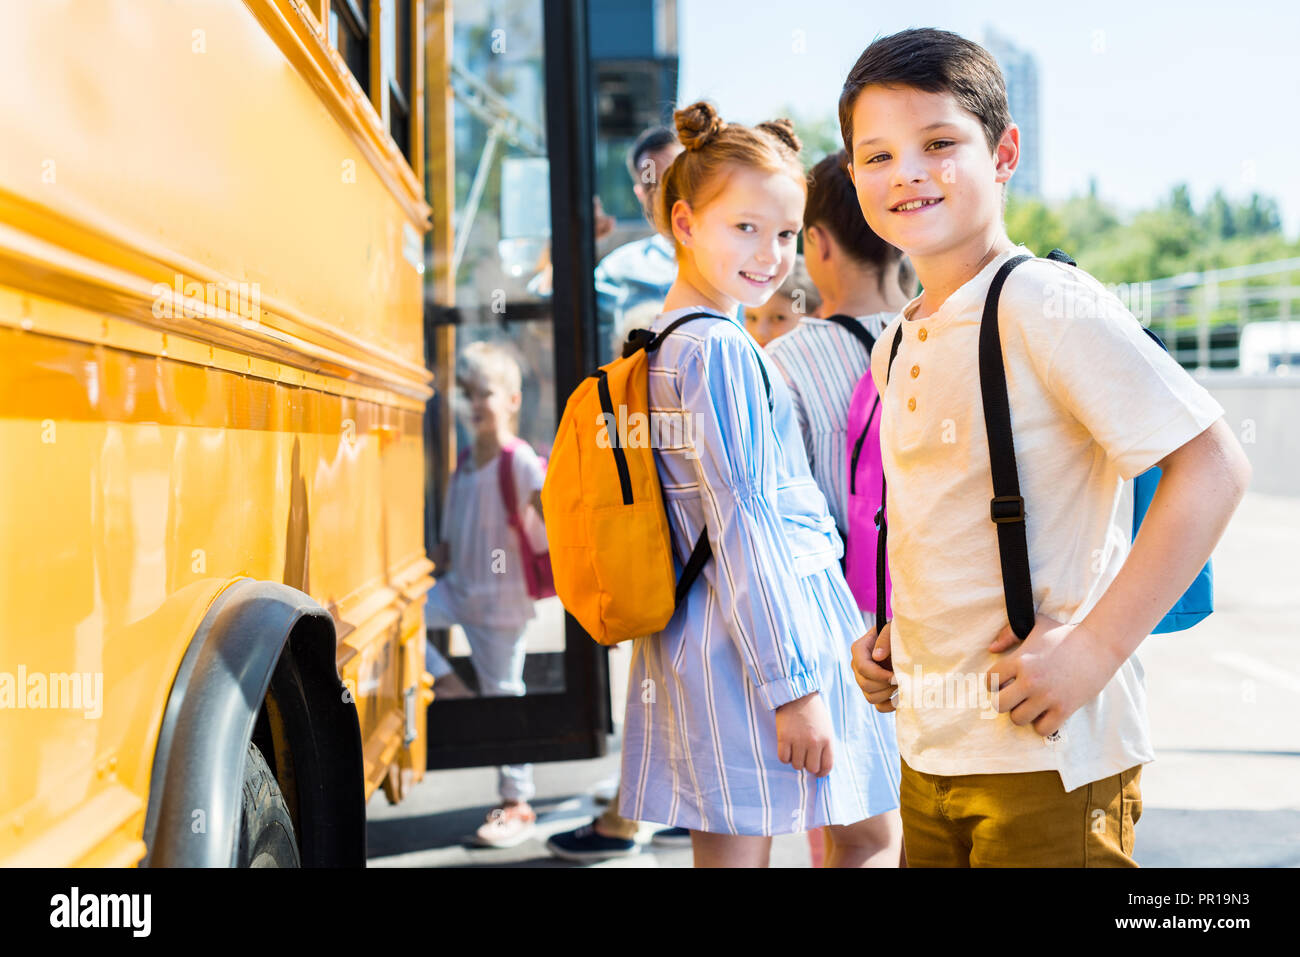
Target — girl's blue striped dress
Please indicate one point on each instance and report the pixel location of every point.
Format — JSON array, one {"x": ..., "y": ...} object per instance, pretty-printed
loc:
[{"x": 770, "y": 619}]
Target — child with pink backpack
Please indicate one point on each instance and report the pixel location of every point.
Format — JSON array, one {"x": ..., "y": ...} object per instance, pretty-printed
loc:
[{"x": 492, "y": 563}]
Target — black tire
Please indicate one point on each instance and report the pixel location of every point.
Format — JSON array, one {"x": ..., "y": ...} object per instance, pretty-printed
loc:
[{"x": 265, "y": 827}]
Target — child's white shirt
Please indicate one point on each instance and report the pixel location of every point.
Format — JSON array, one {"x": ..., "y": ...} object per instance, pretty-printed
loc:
[
  {"x": 1094, "y": 402},
  {"x": 486, "y": 578}
]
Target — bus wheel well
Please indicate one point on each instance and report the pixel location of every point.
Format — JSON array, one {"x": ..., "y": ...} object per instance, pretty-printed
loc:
[
  {"x": 314, "y": 740},
  {"x": 261, "y": 667}
]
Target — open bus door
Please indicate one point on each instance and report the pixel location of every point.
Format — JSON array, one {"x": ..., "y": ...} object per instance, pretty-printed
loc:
[{"x": 514, "y": 117}]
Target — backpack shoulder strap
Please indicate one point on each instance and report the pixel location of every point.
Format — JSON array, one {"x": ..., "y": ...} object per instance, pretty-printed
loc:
[
  {"x": 506, "y": 481},
  {"x": 851, "y": 325},
  {"x": 882, "y": 530},
  {"x": 702, "y": 551},
  {"x": 1007, "y": 507},
  {"x": 655, "y": 341}
]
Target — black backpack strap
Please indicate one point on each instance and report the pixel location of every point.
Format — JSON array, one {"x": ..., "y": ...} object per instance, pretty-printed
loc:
[
  {"x": 851, "y": 325},
  {"x": 700, "y": 554},
  {"x": 644, "y": 339},
  {"x": 1007, "y": 508},
  {"x": 882, "y": 530}
]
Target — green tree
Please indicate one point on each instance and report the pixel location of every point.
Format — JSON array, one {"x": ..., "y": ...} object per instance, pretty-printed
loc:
[
  {"x": 1180, "y": 201},
  {"x": 1260, "y": 216},
  {"x": 1031, "y": 222},
  {"x": 820, "y": 135},
  {"x": 1220, "y": 217},
  {"x": 1088, "y": 222}
]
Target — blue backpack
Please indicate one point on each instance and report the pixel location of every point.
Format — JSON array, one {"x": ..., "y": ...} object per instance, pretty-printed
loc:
[
  {"x": 1007, "y": 509},
  {"x": 1198, "y": 601}
]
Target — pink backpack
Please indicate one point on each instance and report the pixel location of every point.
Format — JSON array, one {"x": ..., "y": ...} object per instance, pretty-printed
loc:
[
  {"x": 865, "y": 475},
  {"x": 537, "y": 564}
]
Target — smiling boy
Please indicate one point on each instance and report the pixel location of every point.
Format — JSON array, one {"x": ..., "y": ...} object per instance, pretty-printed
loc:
[{"x": 1053, "y": 778}]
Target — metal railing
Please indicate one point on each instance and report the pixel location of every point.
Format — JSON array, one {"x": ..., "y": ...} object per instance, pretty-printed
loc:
[{"x": 1202, "y": 315}]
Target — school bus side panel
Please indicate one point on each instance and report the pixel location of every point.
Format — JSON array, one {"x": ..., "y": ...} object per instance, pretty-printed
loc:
[{"x": 152, "y": 457}]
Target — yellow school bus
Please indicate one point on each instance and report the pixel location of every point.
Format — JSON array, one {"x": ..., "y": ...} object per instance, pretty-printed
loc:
[{"x": 212, "y": 392}]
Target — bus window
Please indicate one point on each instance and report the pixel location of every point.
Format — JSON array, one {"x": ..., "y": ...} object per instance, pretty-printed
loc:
[
  {"x": 350, "y": 35},
  {"x": 397, "y": 71}
]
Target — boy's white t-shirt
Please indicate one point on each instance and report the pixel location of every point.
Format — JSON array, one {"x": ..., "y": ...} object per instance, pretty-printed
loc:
[{"x": 1094, "y": 402}]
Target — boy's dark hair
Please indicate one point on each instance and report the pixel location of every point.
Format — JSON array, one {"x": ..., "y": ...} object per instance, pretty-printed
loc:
[
  {"x": 933, "y": 61},
  {"x": 833, "y": 205},
  {"x": 655, "y": 138}
]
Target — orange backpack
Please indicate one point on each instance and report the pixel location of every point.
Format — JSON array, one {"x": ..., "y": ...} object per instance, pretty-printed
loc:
[{"x": 611, "y": 550}]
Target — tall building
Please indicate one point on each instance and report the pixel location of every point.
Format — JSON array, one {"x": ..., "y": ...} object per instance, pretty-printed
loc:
[{"x": 1020, "y": 68}]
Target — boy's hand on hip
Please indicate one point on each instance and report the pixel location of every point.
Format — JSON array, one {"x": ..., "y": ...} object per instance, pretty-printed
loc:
[
  {"x": 804, "y": 735},
  {"x": 1054, "y": 672},
  {"x": 873, "y": 668}
]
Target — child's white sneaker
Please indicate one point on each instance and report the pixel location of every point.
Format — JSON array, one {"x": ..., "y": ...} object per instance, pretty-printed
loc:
[{"x": 507, "y": 826}]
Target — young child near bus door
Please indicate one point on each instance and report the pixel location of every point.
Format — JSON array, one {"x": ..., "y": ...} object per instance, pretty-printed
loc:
[
  {"x": 1093, "y": 403},
  {"x": 742, "y": 719},
  {"x": 484, "y": 590},
  {"x": 797, "y": 297}
]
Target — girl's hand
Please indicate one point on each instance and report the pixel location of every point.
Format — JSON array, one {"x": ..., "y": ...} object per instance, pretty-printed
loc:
[
  {"x": 1054, "y": 672},
  {"x": 804, "y": 735},
  {"x": 873, "y": 668}
]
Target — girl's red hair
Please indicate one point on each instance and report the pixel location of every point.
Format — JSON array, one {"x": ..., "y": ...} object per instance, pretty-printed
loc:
[{"x": 711, "y": 146}]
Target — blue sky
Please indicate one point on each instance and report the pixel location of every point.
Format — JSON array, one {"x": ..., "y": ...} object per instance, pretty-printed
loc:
[{"x": 1141, "y": 96}]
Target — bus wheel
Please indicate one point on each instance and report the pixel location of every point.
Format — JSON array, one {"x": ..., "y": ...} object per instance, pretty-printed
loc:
[{"x": 265, "y": 828}]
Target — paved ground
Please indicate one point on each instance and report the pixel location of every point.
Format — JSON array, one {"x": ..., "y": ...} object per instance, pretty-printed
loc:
[{"x": 1225, "y": 710}]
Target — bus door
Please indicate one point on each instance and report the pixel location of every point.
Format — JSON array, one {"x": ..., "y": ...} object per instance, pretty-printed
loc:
[{"x": 510, "y": 257}]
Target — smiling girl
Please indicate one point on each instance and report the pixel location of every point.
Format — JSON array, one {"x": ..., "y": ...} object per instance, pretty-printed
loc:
[{"x": 743, "y": 719}]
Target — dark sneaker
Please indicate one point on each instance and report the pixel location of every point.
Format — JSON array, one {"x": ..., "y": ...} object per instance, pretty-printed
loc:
[
  {"x": 672, "y": 837},
  {"x": 587, "y": 846}
]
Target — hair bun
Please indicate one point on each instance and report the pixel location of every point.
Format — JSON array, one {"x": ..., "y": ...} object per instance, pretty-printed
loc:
[
  {"x": 697, "y": 124},
  {"x": 783, "y": 130}
]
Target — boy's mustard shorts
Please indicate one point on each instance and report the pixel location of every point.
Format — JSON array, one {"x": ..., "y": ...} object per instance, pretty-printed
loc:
[{"x": 1019, "y": 820}]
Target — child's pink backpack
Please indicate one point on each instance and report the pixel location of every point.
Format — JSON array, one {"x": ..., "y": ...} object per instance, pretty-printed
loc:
[
  {"x": 865, "y": 475},
  {"x": 536, "y": 560}
]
